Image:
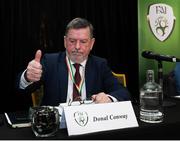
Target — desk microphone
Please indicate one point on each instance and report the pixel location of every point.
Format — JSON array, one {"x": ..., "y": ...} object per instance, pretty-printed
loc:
[{"x": 158, "y": 57}]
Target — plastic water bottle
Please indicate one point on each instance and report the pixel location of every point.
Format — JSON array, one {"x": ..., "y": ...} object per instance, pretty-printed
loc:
[{"x": 151, "y": 100}]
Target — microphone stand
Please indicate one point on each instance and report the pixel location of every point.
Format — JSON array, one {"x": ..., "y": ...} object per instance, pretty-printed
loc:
[{"x": 160, "y": 81}]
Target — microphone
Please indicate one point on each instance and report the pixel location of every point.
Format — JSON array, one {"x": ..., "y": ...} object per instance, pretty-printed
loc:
[{"x": 158, "y": 57}]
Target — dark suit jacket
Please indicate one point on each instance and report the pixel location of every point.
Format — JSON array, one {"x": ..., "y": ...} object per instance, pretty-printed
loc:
[{"x": 98, "y": 78}]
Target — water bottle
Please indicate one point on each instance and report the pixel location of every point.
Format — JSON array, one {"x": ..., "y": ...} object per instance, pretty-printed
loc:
[{"x": 151, "y": 100}]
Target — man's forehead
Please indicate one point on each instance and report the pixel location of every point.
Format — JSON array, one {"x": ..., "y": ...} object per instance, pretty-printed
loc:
[{"x": 79, "y": 33}]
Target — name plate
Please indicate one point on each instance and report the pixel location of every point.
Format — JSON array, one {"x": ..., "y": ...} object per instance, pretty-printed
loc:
[{"x": 83, "y": 119}]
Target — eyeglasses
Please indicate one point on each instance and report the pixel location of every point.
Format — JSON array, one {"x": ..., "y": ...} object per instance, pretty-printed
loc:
[{"x": 81, "y": 102}]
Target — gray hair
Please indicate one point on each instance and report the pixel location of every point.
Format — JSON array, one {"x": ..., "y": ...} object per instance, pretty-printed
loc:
[{"x": 78, "y": 23}]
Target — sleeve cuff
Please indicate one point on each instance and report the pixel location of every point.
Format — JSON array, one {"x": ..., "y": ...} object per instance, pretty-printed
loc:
[
  {"x": 23, "y": 83},
  {"x": 113, "y": 98}
]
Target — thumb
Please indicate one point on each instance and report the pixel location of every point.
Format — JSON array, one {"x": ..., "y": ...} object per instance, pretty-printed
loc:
[{"x": 38, "y": 55}]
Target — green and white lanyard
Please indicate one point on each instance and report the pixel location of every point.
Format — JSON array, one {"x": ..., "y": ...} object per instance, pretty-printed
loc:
[{"x": 72, "y": 75}]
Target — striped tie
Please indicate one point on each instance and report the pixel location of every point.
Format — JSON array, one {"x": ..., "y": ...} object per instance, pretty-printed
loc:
[{"x": 77, "y": 78}]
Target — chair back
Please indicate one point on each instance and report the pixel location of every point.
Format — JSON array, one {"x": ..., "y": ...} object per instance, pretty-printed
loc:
[
  {"x": 121, "y": 78},
  {"x": 37, "y": 97}
]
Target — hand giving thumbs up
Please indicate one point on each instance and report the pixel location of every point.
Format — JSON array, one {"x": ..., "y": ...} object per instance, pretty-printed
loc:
[{"x": 34, "y": 68}]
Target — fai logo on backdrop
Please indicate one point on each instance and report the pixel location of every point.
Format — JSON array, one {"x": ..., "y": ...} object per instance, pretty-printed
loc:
[{"x": 161, "y": 20}]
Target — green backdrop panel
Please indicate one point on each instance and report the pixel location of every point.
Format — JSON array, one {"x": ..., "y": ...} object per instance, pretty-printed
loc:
[{"x": 148, "y": 41}]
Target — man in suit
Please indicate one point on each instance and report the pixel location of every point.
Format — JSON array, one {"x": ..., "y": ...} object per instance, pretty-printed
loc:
[{"x": 56, "y": 71}]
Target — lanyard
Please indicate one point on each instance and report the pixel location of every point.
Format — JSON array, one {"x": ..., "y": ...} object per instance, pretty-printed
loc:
[{"x": 72, "y": 75}]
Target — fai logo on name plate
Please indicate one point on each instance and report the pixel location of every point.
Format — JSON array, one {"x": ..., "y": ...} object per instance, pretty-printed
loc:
[
  {"x": 161, "y": 20},
  {"x": 81, "y": 118}
]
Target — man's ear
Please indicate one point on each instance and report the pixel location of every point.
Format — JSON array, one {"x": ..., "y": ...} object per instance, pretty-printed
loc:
[
  {"x": 65, "y": 41},
  {"x": 92, "y": 43}
]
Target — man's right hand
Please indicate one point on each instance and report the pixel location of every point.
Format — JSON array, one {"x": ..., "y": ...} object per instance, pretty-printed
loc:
[{"x": 34, "y": 68}]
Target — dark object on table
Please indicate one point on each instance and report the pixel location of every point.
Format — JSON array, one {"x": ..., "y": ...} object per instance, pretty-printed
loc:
[{"x": 18, "y": 119}]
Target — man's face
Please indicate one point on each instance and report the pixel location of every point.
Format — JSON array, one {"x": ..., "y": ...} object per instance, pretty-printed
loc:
[{"x": 78, "y": 44}]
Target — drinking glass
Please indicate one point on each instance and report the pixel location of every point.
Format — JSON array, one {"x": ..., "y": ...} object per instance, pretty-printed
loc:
[{"x": 45, "y": 121}]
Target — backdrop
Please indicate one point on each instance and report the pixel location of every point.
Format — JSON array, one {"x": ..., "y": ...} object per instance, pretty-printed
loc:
[{"x": 159, "y": 31}]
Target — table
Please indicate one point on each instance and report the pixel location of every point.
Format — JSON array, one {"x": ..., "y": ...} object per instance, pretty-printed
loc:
[{"x": 168, "y": 129}]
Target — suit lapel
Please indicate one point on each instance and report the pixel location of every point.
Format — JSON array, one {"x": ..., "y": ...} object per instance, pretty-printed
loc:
[{"x": 89, "y": 78}]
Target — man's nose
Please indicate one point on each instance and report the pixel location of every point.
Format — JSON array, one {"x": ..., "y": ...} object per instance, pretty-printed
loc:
[{"x": 77, "y": 46}]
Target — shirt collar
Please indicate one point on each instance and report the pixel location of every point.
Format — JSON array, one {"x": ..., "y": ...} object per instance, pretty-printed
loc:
[{"x": 83, "y": 64}]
